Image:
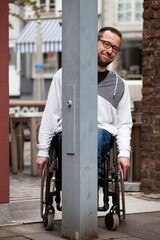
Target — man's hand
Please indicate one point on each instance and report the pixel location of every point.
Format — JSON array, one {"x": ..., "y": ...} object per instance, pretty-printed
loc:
[
  {"x": 42, "y": 163},
  {"x": 123, "y": 165}
]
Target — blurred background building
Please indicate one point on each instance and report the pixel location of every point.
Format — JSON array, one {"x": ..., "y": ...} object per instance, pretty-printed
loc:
[{"x": 124, "y": 15}]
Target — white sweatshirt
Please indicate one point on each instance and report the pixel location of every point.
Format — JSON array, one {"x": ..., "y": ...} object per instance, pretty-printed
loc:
[{"x": 114, "y": 112}]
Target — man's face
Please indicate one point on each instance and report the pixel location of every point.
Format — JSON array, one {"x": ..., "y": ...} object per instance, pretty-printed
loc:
[{"x": 108, "y": 47}]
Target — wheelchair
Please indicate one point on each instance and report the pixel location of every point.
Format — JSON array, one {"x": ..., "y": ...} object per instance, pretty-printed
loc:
[{"x": 110, "y": 183}]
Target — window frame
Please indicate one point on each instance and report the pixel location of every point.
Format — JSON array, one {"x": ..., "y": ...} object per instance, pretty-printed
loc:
[
  {"x": 133, "y": 12},
  {"x": 48, "y": 6}
]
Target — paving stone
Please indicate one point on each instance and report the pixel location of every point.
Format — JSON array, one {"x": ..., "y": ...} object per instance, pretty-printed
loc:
[
  {"x": 5, "y": 214},
  {"x": 14, "y": 238}
]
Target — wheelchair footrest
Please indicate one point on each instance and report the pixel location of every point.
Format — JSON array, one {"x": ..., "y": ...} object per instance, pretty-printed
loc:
[{"x": 104, "y": 208}]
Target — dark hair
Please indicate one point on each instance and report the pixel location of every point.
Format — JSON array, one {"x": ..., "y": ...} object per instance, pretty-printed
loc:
[{"x": 111, "y": 29}]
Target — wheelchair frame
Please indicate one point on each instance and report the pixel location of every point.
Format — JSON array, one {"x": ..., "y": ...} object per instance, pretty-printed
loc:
[
  {"x": 110, "y": 180},
  {"x": 112, "y": 183}
]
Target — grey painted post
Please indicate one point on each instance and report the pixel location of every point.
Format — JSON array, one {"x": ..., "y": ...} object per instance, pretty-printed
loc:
[
  {"x": 79, "y": 112},
  {"x": 39, "y": 87}
]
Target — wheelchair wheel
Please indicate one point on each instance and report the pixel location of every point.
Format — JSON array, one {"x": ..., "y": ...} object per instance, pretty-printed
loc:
[
  {"x": 47, "y": 210},
  {"x": 121, "y": 181},
  {"x": 48, "y": 221},
  {"x": 112, "y": 221},
  {"x": 43, "y": 191}
]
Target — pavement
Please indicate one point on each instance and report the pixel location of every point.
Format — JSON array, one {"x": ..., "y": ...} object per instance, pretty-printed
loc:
[
  {"x": 20, "y": 219},
  {"x": 136, "y": 226}
]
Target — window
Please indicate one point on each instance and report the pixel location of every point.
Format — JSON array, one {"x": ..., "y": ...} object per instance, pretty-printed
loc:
[
  {"x": 129, "y": 11},
  {"x": 138, "y": 11},
  {"x": 52, "y": 5},
  {"x": 46, "y": 5},
  {"x": 131, "y": 59}
]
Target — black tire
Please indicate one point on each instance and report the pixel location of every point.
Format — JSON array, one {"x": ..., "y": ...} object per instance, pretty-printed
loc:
[{"x": 112, "y": 221}]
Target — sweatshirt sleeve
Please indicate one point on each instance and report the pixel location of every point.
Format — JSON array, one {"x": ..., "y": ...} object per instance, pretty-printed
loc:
[
  {"x": 52, "y": 115},
  {"x": 124, "y": 124}
]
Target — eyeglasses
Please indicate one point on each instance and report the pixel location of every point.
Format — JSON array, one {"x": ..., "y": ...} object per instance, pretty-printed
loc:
[{"x": 108, "y": 45}]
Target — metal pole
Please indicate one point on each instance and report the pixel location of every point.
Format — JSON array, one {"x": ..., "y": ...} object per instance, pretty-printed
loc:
[
  {"x": 79, "y": 113},
  {"x": 39, "y": 87}
]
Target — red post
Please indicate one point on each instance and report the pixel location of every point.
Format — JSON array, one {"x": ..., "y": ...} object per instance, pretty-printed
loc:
[{"x": 4, "y": 104}]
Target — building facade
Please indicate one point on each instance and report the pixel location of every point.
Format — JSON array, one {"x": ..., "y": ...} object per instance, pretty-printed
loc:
[
  {"x": 126, "y": 16},
  {"x": 22, "y": 63}
]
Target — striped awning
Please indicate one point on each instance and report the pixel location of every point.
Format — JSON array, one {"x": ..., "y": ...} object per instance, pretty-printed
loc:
[{"x": 51, "y": 36}]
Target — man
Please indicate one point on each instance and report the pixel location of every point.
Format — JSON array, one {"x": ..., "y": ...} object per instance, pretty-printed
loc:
[{"x": 114, "y": 111}]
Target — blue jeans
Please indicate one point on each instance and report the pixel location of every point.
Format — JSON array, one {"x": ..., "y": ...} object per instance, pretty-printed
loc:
[{"x": 104, "y": 137}]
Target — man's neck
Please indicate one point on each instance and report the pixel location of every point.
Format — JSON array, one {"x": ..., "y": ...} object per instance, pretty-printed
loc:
[{"x": 102, "y": 69}]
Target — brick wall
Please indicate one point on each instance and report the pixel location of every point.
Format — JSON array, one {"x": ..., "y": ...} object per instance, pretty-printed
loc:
[{"x": 150, "y": 148}]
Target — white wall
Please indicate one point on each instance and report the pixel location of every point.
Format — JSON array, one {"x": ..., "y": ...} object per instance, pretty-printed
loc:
[
  {"x": 135, "y": 88},
  {"x": 14, "y": 70},
  {"x": 14, "y": 82},
  {"x": 16, "y": 24}
]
